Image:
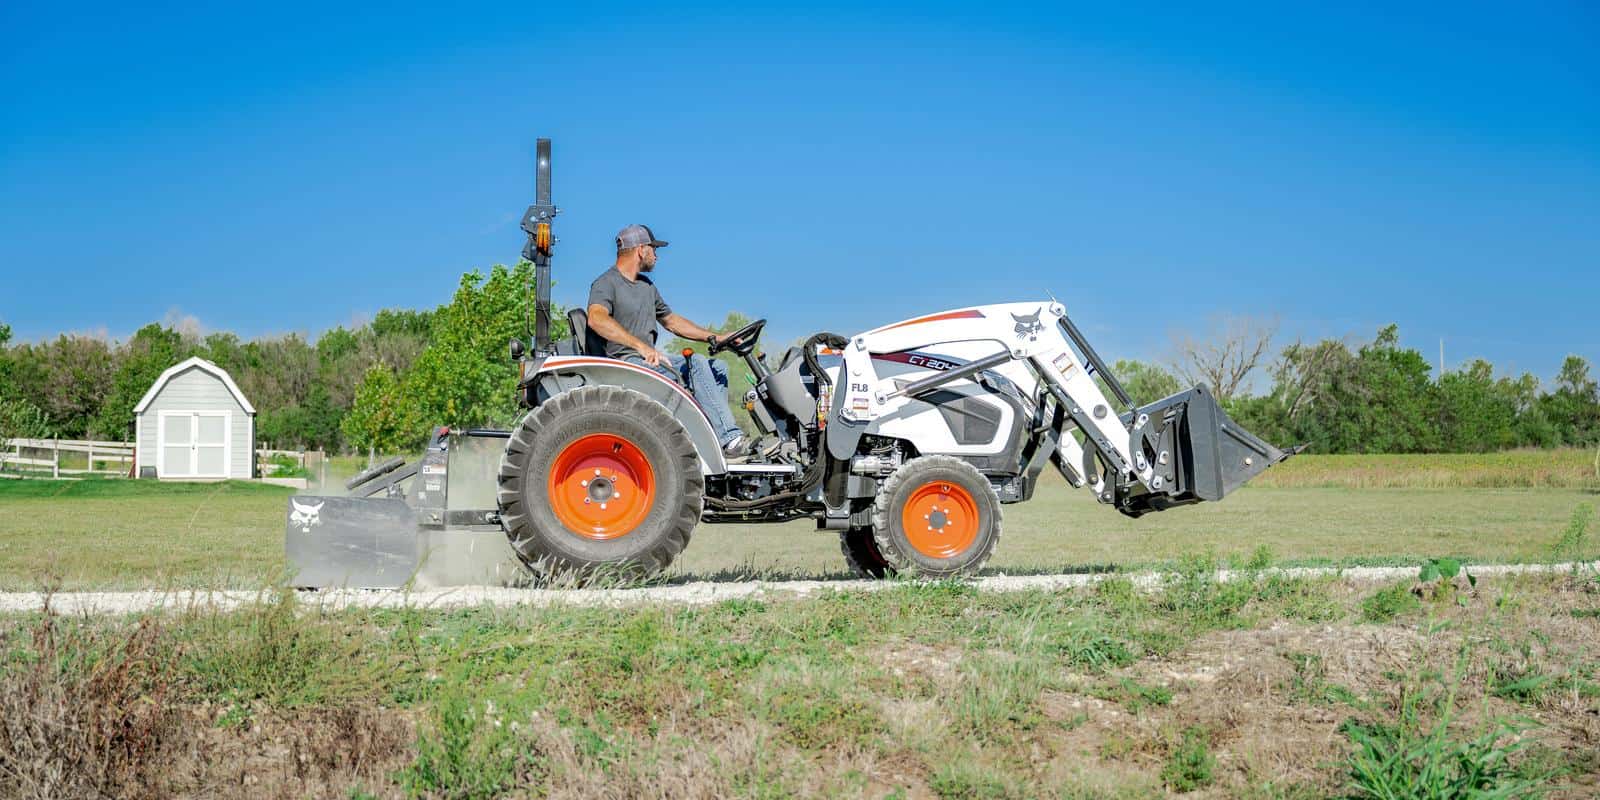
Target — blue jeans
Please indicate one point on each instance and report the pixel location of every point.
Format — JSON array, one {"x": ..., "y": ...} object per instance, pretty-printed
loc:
[{"x": 708, "y": 380}]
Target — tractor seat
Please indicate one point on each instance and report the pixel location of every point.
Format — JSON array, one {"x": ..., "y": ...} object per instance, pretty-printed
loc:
[{"x": 586, "y": 342}]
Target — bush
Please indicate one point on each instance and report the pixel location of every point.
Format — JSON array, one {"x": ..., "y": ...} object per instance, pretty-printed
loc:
[
  {"x": 20, "y": 419},
  {"x": 1386, "y": 604},
  {"x": 282, "y": 466}
]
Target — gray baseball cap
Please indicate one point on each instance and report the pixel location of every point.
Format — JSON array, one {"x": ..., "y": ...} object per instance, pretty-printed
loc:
[{"x": 635, "y": 235}]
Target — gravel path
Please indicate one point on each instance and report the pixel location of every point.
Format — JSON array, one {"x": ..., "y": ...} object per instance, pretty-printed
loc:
[{"x": 700, "y": 593}]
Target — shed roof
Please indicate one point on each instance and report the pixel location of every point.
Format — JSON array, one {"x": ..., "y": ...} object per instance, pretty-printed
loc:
[{"x": 207, "y": 366}]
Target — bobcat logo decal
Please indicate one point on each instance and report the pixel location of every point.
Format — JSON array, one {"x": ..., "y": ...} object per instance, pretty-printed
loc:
[
  {"x": 1028, "y": 326},
  {"x": 305, "y": 517}
]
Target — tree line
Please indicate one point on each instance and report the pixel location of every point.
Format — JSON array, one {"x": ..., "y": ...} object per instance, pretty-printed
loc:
[
  {"x": 381, "y": 386},
  {"x": 1376, "y": 396}
]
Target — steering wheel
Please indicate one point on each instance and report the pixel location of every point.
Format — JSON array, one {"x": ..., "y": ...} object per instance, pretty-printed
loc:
[{"x": 741, "y": 341}]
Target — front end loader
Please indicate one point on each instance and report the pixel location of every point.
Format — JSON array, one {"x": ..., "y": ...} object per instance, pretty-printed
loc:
[{"x": 905, "y": 440}]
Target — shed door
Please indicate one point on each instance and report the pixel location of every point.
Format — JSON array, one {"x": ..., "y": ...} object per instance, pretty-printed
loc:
[{"x": 194, "y": 444}]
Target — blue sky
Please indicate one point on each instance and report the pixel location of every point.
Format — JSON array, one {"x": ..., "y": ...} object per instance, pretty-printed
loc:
[{"x": 837, "y": 167}]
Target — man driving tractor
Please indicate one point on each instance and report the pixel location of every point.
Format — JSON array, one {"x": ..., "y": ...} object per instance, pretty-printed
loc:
[{"x": 624, "y": 307}]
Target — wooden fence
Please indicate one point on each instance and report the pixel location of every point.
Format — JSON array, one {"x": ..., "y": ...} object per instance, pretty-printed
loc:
[{"x": 40, "y": 455}]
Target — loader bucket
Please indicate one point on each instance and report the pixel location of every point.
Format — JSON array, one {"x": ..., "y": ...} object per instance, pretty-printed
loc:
[
  {"x": 430, "y": 523},
  {"x": 1208, "y": 455}
]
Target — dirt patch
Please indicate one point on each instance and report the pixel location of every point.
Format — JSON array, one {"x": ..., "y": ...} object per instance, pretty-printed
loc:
[
  {"x": 322, "y": 753},
  {"x": 940, "y": 665},
  {"x": 1271, "y": 698}
]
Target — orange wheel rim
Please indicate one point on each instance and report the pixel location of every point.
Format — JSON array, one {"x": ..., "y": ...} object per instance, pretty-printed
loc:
[
  {"x": 601, "y": 486},
  {"x": 940, "y": 519}
]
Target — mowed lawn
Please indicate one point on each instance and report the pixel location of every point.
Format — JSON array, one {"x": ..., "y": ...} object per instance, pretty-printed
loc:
[{"x": 141, "y": 534}]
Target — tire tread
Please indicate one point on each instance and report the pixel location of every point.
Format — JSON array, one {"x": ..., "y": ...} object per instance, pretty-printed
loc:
[{"x": 518, "y": 520}]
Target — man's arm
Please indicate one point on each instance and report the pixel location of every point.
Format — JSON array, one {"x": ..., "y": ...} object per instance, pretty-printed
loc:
[
  {"x": 600, "y": 322},
  {"x": 687, "y": 329}
]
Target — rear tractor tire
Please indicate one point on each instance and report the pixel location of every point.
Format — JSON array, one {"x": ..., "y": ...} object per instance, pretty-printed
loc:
[
  {"x": 599, "y": 479},
  {"x": 936, "y": 517}
]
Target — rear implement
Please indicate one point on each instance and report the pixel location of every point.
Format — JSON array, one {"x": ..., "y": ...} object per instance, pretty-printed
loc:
[{"x": 430, "y": 523}]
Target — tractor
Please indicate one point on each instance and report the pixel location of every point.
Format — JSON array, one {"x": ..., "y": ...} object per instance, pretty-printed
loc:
[{"x": 905, "y": 441}]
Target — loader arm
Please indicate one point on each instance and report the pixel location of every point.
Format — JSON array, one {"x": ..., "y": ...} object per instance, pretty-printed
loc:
[{"x": 1180, "y": 450}]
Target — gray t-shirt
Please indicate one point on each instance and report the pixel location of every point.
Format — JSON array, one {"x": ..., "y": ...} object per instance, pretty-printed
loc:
[{"x": 635, "y": 305}]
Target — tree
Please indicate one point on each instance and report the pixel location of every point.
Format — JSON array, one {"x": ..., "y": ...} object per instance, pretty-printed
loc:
[
  {"x": 75, "y": 377},
  {"x": 1227, "y": 355},
  {"x": 1304, "y": 374},
  {"x": 381, "y": 420},
  {"x": 1574, "y": 407},
  {"x": 464, "y": 377},
  {"x": 1476, "y": 413},
  {"x": 141, "y": 361},
  {"x": 1146, "y": 383},
  {"x": 7, "y": 382},
  {"x": 22, "y": 373},
  {"x": 402, "y": 322},
  {"x": 277, "y": 378},
  {"x": 1391, "y": 401},
  {"x": 1574, "y": 379},
  {"x": 278, "y": 372},
  {"x": 226, "y": 351}
]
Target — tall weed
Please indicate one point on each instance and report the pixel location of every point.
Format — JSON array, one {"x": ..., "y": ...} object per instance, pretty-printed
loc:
[
  {"x": 1570, "y": 547},
  {"x": 84, "y": 710},
  {"x": 272, "y": 653},
  {"x": 1414, "y": 753},
  {"x": 469, "y": 751}
]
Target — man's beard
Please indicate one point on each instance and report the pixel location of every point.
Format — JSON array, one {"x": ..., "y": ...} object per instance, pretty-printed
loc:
[{"x": 647, "y": 266}]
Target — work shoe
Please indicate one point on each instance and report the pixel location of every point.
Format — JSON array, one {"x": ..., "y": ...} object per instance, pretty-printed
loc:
[{"x": 737, "y": 448}]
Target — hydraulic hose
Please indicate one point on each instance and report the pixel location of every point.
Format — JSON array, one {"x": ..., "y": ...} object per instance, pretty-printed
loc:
[{"x": 808, "y": 351}]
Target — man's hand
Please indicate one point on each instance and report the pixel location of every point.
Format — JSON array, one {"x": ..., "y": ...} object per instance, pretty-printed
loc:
[{"x": 652, "y": 356}]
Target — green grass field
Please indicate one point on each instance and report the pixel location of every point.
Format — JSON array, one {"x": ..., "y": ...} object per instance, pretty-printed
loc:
[
  {"x": 1267, "y": 687},
  {"x": 142, "y": 534}
]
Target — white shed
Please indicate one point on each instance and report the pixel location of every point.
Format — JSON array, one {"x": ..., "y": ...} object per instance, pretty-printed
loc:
[{"x": 195, "y": 424}]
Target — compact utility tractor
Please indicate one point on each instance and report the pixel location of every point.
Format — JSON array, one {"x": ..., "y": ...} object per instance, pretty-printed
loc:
[{"x": 905, "y": 440}]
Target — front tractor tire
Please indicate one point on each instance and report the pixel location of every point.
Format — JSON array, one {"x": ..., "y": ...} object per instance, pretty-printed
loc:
[
  {"x": 596, "y": 479},
  {"x": 936, "y": 517}
]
